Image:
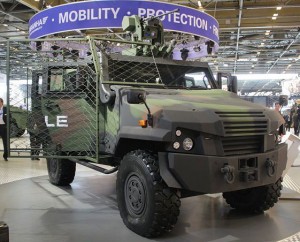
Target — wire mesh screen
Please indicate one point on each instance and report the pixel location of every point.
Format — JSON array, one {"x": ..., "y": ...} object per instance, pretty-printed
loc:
[
  {"x": 53, "y": 93},
  {"x": 125, "y": 65},
  {"x": 124, "y": 71},
  {"x": 52, "y": 98}
]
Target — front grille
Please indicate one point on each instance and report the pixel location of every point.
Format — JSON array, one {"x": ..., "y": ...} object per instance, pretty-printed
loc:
[
  {"x": 243, "y": 123},
  {"x": 243, "y": 131},
  {"x": 242, "y": 145}
]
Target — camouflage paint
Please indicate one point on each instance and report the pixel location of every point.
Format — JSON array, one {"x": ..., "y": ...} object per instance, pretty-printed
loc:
[
  {"x": 81, "y": 131},
  {"x": 20, "y": 115}
]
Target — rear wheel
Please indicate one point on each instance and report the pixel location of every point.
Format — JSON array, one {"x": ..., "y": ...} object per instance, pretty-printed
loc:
[
  {"x": 21, "y": 132},
  {"x": 61, "y": 171},
  {"x": 14, "y": 130},
  {"x": 255, "y": 200},
  {"x": 147, "y": 205}
]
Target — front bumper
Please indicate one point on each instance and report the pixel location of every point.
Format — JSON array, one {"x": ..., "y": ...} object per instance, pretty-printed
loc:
[{"x": 213, "y": 174}]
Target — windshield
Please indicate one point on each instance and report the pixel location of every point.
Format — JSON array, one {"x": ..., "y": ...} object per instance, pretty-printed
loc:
[
  {"x": 156, "y": 74},
  {"x": 184, "y": 76}
]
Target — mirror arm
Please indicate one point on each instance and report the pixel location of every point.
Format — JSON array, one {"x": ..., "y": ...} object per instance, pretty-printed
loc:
[{"x": 106, "y": 95}]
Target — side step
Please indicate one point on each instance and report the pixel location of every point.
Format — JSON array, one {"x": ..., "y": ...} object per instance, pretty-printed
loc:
[{"x": 94, "y": 167}]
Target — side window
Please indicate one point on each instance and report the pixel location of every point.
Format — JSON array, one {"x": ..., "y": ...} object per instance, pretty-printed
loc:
[
  {"x": 189, "y": 83},
  {"x": 224, "y": 83},
  {"x": 56, "y": 80},
  {"x": 62, "y": 80},
  {"x": 197, "y": 80}
]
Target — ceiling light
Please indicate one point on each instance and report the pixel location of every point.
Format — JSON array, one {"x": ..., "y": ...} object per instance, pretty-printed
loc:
[
  {"x": 275, "y": 14},
  {"x": 5, "y": 25},
  {"x": 225, "y": 65},
  {"x": 253, "y": 66},
  {"x": 279, "y": 8},
  {"x": 274, "y": 18},
  {"x": 268, "y": 76},
  {"x": 267, "y": 33},
  {"x": 258, "y": 53}
]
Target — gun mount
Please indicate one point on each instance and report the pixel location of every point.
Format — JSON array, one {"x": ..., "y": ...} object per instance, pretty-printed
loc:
[{"x": 147, "y": 30}]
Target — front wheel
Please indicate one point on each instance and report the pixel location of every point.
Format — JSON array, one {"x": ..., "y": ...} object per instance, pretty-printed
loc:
[
  {"x": 255, "y": 200},
  {"x": 147, "y": 205},
  {"x": 61, "y": 171}
]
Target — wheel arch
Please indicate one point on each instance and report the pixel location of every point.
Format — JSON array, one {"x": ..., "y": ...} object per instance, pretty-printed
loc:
[{"x": 125, "y": 145}]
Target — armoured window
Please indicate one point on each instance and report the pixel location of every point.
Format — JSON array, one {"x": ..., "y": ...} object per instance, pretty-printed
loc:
[
  {"x": 184, "y": 76},
  {"x": 62, "y": 80},
  {"x": 196, "y": 80}
]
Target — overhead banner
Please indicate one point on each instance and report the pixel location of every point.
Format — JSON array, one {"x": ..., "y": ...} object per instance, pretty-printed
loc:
[{"x": 109, "y": 14}]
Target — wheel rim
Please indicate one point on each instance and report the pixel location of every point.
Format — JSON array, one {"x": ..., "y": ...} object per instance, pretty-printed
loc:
[{"x": 135, "y": 195}]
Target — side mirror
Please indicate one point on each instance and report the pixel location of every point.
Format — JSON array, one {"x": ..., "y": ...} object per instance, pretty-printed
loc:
[
  {"x": 232, "y": 84},
  {"x": 136, "y": 96},
  {"x": 283, "y": 100},
  {"x": 219, "y": 80},
  {"x": 227, "y": 82}
]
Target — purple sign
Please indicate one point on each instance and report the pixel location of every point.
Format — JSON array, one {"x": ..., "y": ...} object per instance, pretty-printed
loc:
[{"x": 109, "y": 14}]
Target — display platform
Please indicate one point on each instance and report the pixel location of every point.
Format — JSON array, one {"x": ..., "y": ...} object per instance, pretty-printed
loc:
[{"x": 87, "y": 211}]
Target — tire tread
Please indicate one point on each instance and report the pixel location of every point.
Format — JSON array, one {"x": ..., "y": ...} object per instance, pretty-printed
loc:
[
  {"x": 167, "y": 203},
  {"x": 267, "y": 199}
]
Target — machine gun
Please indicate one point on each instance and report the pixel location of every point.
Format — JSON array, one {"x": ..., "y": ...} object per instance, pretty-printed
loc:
[{"x": 147, "y": 30}]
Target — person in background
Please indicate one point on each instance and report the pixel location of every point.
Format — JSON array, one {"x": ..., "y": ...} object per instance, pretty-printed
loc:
[
  {"x": 287, "y": 121},
  {"x": 3, "y": 128},
  {"x": 297, "y": 120},
  {"x": 281, "y": 130},
  {"x": 294, "y": 118}
]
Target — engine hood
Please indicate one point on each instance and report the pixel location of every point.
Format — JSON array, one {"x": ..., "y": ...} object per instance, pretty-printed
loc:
[
  {"x": 210, "y": 110},
  {"x": 215, "y": 112},
  {"x": 217, "y": 100}
]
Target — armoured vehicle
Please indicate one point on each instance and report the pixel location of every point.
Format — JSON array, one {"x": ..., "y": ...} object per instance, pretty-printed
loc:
[
  {"x": 17, "y": 121},
  {"x": 166, "y": 126}
]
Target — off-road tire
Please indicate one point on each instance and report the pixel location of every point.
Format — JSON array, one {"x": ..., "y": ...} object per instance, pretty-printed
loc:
[
  {"x": 255, "y": 200},
  {"x": 21, "y": 132},
  {"x": 14, "y": 130},
  {"x": 61, "y": 171},
  {"x": 147, "y": 205}
]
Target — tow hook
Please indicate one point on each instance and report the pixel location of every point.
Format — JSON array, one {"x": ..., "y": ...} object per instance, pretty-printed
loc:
[
  {"x": 228, "y": 172},
  {"x": 270, "y": 165}
]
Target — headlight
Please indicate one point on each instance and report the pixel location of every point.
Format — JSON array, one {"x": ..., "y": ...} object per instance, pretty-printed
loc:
[
  {"x": 178, "y": 132},
  {"x": 188, "y": 144},
  {"x": 176, "y": 145}
]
